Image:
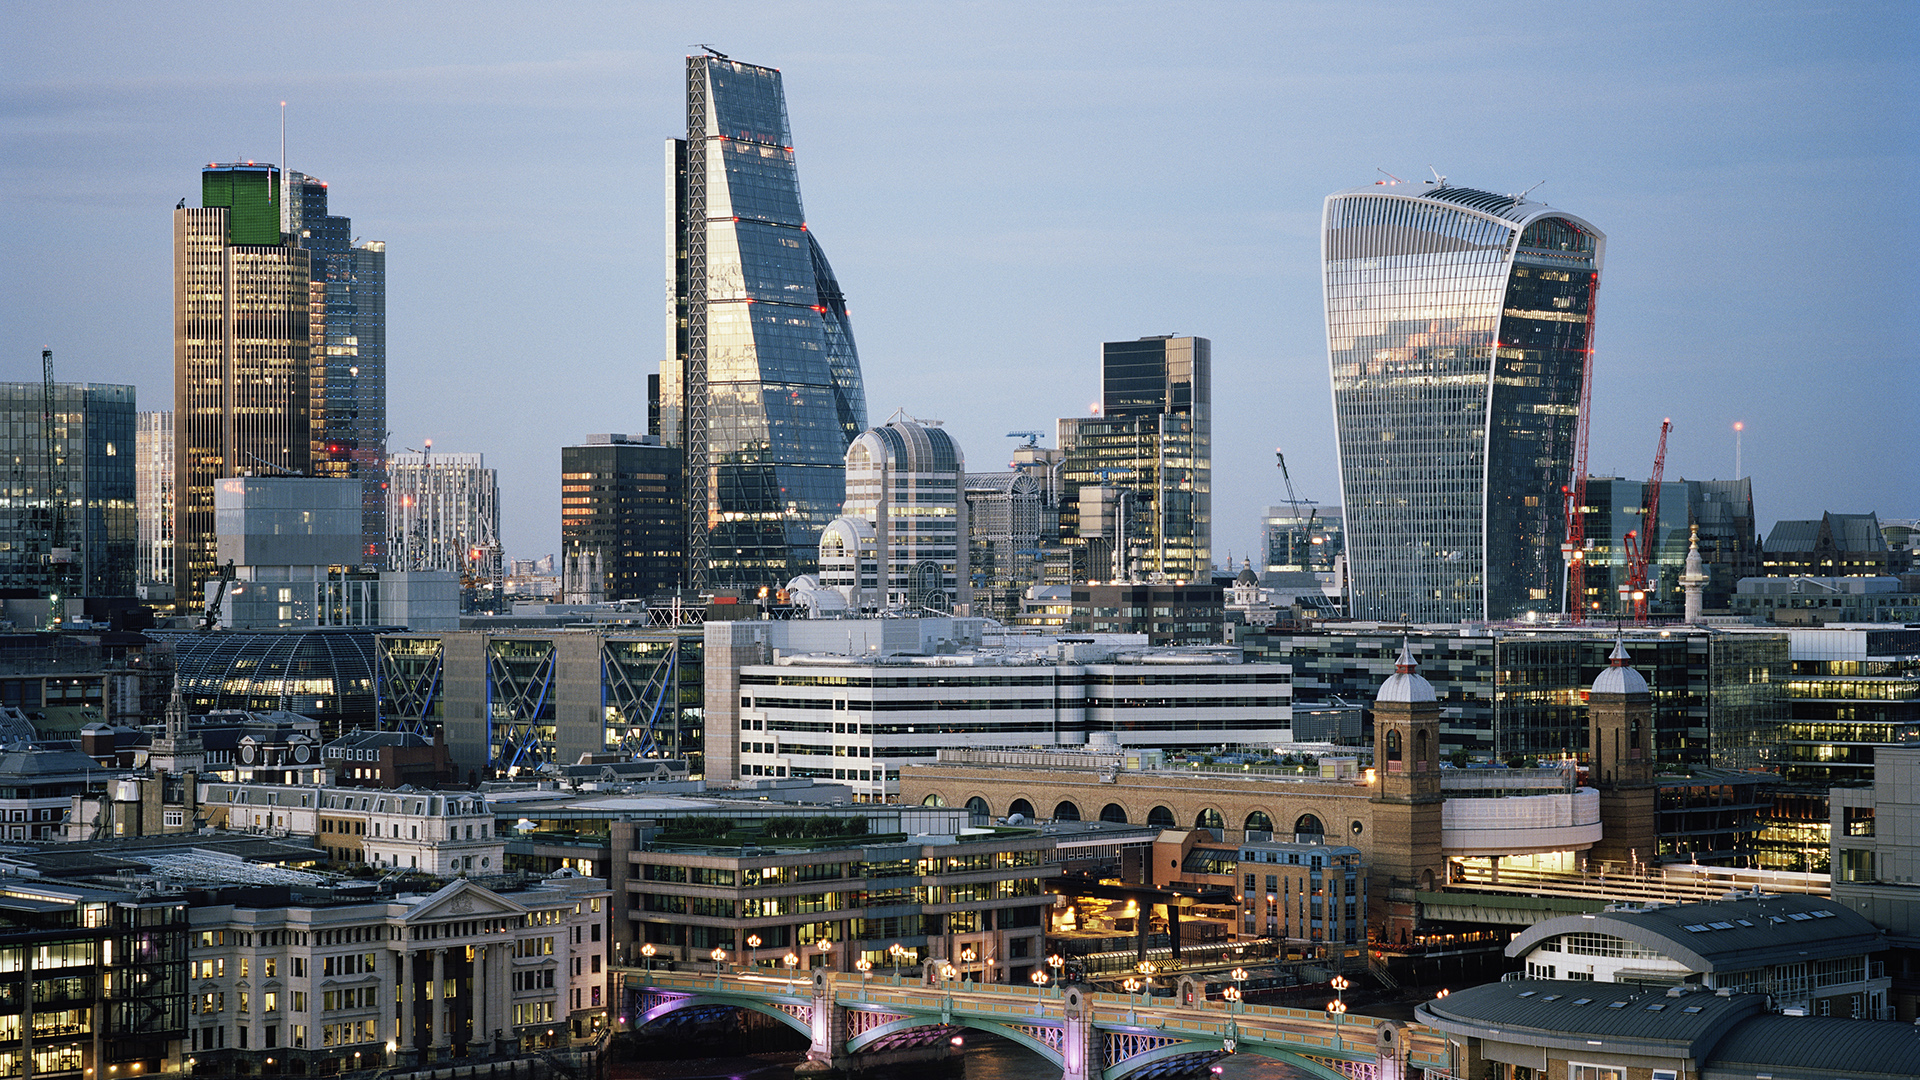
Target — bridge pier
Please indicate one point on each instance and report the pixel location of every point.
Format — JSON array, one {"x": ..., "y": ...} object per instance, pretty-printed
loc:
[
  {"x": 827, "y": 1053},
  {"x": 1081, "y": 1047}
]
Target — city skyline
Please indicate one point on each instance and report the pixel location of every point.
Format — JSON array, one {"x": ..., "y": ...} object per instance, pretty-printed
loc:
[{"x": 1695, "y": 138}]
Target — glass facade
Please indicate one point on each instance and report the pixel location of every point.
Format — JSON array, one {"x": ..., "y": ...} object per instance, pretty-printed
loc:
[
  {"x": 621, "y": 499},
  {"x": 761, "y": 383},
  {"x": 904, "y": 479},
  {"x": 1139, "y": 477},
  {"x": 1458, "y": 328},
  {"x": 348, "y": 313},
  {"x": 326, "y": 674},
  {"x": 241, "y": 353},
  {"x": 88, "y": 466},
  {"x": 153, "y": 501}
]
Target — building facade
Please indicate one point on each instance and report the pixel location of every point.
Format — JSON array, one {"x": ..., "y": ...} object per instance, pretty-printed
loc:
[
  {"x": 905, "y": 485},
  {"x": 443, "y": 513},
  {"x": 349, "y": 342},
  {"x": 761, "y": 383},
  {"x": 620, "y": 502},
  {"x": 1459, "y": 336},
  {"x": 242, "y": 380},
  {"x": 1007, "y": 523},
  {"x": 70, "y": 524},
  {"x": 1138, "y": 477},
  {"x": 1169, "y": 614},
  {"x": 153, "y": 507}
]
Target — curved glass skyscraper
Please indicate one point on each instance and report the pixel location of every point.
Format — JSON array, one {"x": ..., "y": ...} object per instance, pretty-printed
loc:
[
  {"x": 761, "y": 383},
  {"x": 1459, "y": 324}
]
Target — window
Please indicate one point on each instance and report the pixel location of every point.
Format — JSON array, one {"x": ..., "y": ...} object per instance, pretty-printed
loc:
[{"x": 1577, "y": 1071}]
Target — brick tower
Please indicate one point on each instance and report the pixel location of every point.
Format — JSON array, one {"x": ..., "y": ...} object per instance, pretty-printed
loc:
[
  {"x": 1620, "y": 748},
  {"x": 1407, "y": 798}
]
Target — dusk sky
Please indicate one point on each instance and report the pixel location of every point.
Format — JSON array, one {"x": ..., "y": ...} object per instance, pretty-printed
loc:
[{"x": 1002, "y": 187}]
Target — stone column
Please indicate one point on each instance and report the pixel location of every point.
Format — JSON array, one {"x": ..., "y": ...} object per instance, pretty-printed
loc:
[
  {"x": 1081, "y": 1045},
  {"x": 442, "y": 1033},
  {"x": 499, "y": 1019},
  {"x": 409, "y": 1008}
]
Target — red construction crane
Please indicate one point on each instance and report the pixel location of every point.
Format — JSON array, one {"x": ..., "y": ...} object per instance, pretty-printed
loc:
[
  {"x": 1640, "y": 546},
  {"x": 1574, "y": 550}
]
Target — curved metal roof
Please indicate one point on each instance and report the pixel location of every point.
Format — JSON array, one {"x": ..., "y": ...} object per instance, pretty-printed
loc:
[
  {"x": 1509, "y": 208},
  {"x": 1725, "y": 935}
]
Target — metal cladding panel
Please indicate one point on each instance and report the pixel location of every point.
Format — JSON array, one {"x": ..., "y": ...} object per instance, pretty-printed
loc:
[{"x": 251, "y": 194}]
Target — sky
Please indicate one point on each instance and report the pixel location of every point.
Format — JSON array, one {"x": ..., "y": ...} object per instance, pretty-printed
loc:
[{"x": 1003, "y": 186}]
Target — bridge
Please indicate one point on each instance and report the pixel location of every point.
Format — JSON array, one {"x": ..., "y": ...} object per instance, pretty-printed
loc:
[{"x": 1090, "y": 1036}]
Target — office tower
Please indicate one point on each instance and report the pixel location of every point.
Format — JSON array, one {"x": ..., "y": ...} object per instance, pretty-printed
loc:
[
  {"x": 68, "y": 529},
  {"x": 1459, "y": 327},
  {"x": 349, "y": 339},
  {"x": 241, "y": 352},
  {"x": 153, "y": 506},
  {"x": 1138, "y": 479},
  {"x": 620, "y": 510},
  {"x": 900, "y": 543},
  {"x": 1721, "y": 511},
  {"x": 760, "y": 383},
  {"x": 1006, "y": 520},
  {"x": 443, "y": 513}
]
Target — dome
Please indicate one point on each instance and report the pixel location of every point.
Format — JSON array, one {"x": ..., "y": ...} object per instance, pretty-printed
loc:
[
  {"x": 1619, "y": 678},
  {"x": 1405, "y": 684},
  {"x": 1246, "y": 575}
]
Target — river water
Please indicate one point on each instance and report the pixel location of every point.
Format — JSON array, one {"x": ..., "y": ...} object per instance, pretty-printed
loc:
[{"x": 986, "y": 1057}]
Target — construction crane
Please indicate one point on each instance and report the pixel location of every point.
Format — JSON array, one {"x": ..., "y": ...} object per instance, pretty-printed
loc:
[
  {"x": 1640, "y": 544},
  {"x": 1033, "y": 437},
  {"x": 1294, "y": 502},
  {"x": 1574, "y": 550}
]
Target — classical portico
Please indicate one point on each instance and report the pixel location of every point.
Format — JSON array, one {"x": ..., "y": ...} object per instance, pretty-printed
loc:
[{"x": 455, "y": 956}]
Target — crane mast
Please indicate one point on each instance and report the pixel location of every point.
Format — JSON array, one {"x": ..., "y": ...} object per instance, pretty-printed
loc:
[
  {"x": 1640, "y": 547},
  {"x": 1574, "y": 549}
]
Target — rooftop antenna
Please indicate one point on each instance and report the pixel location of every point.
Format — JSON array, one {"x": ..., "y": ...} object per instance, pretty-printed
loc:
[
  {"x": 1438, "y": 180},
  {"x": 1388, "y": 175},
  {"x": 1522, "y": 197},
  {"x": 711, "y": 51},
  {"x": 285, "y": 223}
]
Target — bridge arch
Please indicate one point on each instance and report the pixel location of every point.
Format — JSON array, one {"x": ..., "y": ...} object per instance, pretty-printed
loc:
[
  {"x": 880, "y": 1032},
  {"x": 704, "y": 1001}
]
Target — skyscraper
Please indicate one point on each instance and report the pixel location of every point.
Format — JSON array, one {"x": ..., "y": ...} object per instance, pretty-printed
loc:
[
  {"x": 349, "y": 341},
  {"x": 1459, "y": 329},
  {"x": 153, "y": 506},
  {"x": 1139, "y": 476},
  {"x": 443, "y": 513},
  {"x": 760, "y": 383},
  {"x": 68, "y": 527},
  {"x": 620, "y": 509},
  {"x": 241, "y": 378},
  {"x": 901, "y": 543}
]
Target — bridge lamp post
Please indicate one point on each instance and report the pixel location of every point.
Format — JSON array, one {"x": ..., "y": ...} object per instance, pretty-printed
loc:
[
  {"x": 719, "y": 960},
  {"x": 946, "y": 979},
  {"x": 866, "y": 975},
  {"x": 753, "y": 943},
  {"x": 647, "y": 951},
  {"x": 1239, "y": 977},
  {"x": 1232, "y": 994},
  {"x": 1058, "y": 963},
  {"x": 826, "y": 951},
  {"x": 897, "y": 952},
  {"x": 1337, "y": 1009},
  {"x": 792, "y": 961},
  {"x": 1133, "y": 987},
  {"x": 966, "y": 957}
]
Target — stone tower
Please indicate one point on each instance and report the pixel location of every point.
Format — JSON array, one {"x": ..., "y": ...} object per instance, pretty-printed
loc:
[
  {"x": 1407, "y": 797},
  {"x": 1620, "y": 745},
  {"x": 178, "y": 752},
  {"x": 1693, "y": 579}
]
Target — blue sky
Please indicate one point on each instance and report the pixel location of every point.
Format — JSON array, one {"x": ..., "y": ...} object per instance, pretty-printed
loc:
[{"x": 1000, "y": 188}]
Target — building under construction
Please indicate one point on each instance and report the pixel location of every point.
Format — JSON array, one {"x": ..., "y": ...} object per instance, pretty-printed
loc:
[{"x": 443, "y": 513}]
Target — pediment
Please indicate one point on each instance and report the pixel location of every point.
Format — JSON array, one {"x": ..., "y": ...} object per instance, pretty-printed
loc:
[{"x": 463, "y": 900}]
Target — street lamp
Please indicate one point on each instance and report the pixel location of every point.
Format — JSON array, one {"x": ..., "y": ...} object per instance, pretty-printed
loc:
[
  {"x": 792, "y": 961},
  {"x": 865, "y": 967},
  {"x": 1133, "y": 987},
  {"x": 1337, "y": 1009},
  {"x": 719, "y": 958},
  {"x": 753, "y": 942},
  {"x": 1057, "y": 963},
  {"x": 897, "y": 952},
  {"x": 826, "y": 950},
  {"x": 1039, "y": 979},
  {"x": 647, "y": 951},
  {"x": 1239, "y": 977}
]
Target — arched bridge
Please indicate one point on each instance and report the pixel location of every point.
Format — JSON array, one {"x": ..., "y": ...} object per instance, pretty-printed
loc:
[{"x": 1090, "y": 1036}]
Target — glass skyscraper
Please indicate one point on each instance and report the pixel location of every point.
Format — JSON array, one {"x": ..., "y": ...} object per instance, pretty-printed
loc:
[
  {"x": 1459, "y": 325},
  {"x": 760, "y": 383},
  {"x": 71, "y": 487},
  {"x": 349, "y": 332}
]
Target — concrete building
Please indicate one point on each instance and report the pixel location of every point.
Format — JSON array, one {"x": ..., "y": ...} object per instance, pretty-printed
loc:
[
  {"x": 37, "y": 786},
  {"x": 1806, "y": 953},
  {"x": 443, "y": 513},
  {"x": 242, "y": 372},
  {"x": 1819, "y": 601},
  {"x": 316, "y": 983},
  {"x": 512, "y": 700},
  {"x": 1875, "y": 845},
  {"x": 1577, "y": 1030},
  {"x": 1836, "y": 545},
  {"x": 901, "y": 541},
  {"x": 1007, "y": 524},
  {"x": 861, "y": 718},
  {"x": 1169, "y": 613},
  {"x": 153, "y": 508}
]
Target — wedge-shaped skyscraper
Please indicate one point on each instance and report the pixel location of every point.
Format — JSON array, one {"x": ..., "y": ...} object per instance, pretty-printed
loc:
[
  {"x": 1459, "y": 326},
  {"x": 760, "y": 384}
]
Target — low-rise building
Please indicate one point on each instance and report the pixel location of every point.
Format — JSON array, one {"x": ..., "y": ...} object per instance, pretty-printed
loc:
[
  {"x": 37, "y": 788},
  {"x": 390, "y": 759},
  {"x": 443, "y": 833},
  {"x": 319, "y": 982},
  {"x": 1806, "y": 952}
]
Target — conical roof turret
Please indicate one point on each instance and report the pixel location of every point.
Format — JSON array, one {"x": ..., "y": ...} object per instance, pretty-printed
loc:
[
  {"x": 1619, "y": 678},
  {"x": 1406, "y": 683}
]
